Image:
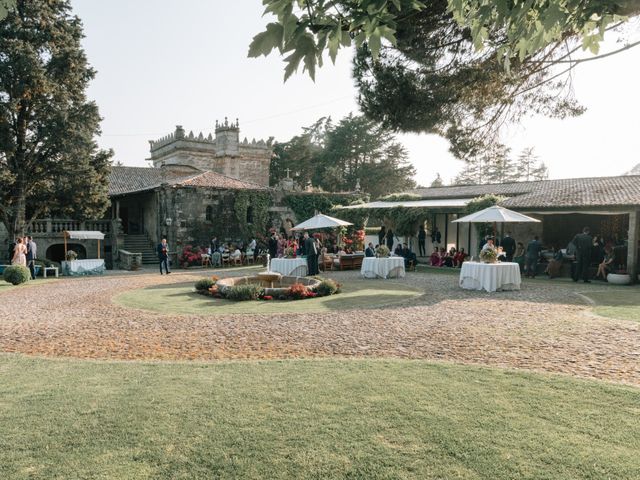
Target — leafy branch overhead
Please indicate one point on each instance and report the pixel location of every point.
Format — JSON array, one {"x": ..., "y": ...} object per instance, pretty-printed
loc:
[
  {"x": 306, "y": 29},
  {"x": 459, "y": 69}
]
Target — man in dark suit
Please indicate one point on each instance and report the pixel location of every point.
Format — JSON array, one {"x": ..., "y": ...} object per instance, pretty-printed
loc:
[
  {"x": 32, "y": 254},
  {"x": 583, "y": 243},
  {"x": 532, "y": 256},
  {"x": 370, "y": 251},
  {"x": 163, "y": 255},
  {"x": 311, "y": 251},
  {"x": 509, "y": 246}
]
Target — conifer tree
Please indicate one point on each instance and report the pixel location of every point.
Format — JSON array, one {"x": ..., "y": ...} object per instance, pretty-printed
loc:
[{"x": 49, "y": 161}]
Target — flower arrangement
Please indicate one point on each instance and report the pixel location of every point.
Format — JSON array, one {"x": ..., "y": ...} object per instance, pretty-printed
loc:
[
  {"x": 488, "y": 256},
  {"x": 290, "y": 252},
  {"x": 297, "y": 291},
  {"x": 382, "y": 251},
  {"x": 191, "y": 255},
  {"x": 358, "y": 239},
  {"x": 71, "y": 255}
]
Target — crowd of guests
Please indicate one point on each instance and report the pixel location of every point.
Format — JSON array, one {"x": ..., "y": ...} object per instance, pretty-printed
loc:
[{"x": 452, "y": 258}]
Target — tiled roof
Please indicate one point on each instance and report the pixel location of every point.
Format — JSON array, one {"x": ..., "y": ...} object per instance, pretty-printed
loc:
[
  {"x": 217, "y": 180},
  {"x": 123, "y": 180},
  {"x": 563, "y": 193}
]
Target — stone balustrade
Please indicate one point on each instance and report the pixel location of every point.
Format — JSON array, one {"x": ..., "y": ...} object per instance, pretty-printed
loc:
[
  {"x": 130, "y": 260},
  {"x": 47, "y": 226}
]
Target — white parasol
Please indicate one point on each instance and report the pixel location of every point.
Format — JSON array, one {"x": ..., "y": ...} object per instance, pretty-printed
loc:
[
  {"x": 321, "y": 221},
  {"x": 495, "y": 214}
]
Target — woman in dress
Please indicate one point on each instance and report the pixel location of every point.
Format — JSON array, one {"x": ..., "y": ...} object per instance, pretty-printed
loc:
[{"x": 19, "y": 253}]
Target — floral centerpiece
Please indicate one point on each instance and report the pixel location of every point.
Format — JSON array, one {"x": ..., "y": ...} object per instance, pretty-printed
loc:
[
  {"x": 71, "y": 255},
  {"x": 290, "y": 252},
  {"x": 489, "y": 255},
  {"x": 382, "y": 251}
]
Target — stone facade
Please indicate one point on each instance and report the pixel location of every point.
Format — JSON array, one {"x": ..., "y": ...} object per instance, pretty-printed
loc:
[{"x": 224, "y": 153}]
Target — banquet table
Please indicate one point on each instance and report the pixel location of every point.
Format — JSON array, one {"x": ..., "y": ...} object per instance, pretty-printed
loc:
[
  {"x": 296, "y": 267},
  {"x": 83, "y": 267},
  {"x": 490, "y": 276},
  {"x": 373, "y": 267}
]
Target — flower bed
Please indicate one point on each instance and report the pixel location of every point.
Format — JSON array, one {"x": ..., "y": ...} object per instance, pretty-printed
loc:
[{"x": 254, "y": 288}]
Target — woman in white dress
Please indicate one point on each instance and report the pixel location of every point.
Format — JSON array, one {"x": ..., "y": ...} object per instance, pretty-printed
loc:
[{"x": 19, "y": 253}]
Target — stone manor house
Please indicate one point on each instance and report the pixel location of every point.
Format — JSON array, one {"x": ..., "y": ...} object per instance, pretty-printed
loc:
[{"x": 197, "y": 186}]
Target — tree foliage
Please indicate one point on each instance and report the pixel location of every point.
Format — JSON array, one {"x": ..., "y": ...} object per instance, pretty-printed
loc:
[
  {"x": 456, "y": 68},
  {"x": 354, "y": 154},
  {"x": 496, "y": 165},
  {"x": 49, "y": 161}
]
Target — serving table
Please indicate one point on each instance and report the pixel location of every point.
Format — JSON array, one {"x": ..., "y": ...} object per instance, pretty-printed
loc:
[
  {"x": 490, "y": 276},
  {"x": 84, "y": 267},
  {"x": 373, "y": 267},
  {"x": 290, "y": 267}
]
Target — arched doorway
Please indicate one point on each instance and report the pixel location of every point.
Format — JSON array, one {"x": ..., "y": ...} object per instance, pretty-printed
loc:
[{"x": 56, "y": 252}]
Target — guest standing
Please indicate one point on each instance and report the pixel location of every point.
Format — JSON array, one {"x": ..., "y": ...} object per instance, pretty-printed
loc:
[
  {"x": 533, "y": 254},
  {"x": 390, "y": 240},
  {"x": 422, "y": 236},
  {"x": 508, "y": 246},
  {"x": 273, "y": 246},
  {"x": 311, "y": 251},
  {"x": 436, "y": 237},
  {"x": 584, "y": 246},
  {"x": 32, "y": 254},
  {"x": 382, "y": 234},
  {"x": 19, "y": 253},
  {"x": 163, "y": 255}
]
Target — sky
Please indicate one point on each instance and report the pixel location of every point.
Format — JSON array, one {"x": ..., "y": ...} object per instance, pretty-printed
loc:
[{"x": 160, "y": 66}]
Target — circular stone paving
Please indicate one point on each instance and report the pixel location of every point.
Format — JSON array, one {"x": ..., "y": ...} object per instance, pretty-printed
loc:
[{"x": 544, "y": 327}]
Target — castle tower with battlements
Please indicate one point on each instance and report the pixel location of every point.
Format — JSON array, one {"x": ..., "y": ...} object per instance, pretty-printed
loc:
[{"x": 224, "y": 153}]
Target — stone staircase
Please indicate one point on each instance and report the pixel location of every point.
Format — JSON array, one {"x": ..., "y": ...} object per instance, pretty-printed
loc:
[{"x": 141, "y": 244}]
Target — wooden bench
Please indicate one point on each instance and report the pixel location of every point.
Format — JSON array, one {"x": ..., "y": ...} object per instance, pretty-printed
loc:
[{"x": 351, "y": 262}]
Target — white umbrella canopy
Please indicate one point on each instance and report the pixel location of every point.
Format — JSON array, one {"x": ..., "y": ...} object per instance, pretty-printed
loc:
[
  {"x": 495, "y": 214},
  {"x": 321, "y": 221}
]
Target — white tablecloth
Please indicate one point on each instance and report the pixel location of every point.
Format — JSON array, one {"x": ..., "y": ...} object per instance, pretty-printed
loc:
[
  {"x": 84, "y": 267},
  {"x": 296, "y": 267},
  {"x": 490, "y": 276},
  {"x": 373, "y": 267}
]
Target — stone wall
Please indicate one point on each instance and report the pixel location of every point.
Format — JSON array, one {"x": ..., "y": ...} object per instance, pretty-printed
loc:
[{"x": 226, "y": 154}]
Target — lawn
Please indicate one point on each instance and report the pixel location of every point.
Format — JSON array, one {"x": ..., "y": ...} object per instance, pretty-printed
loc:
[
  {"x": 621, "y": 303},
  {"x": 359, "y": 419},
  {"x": 181, "y": 299}
]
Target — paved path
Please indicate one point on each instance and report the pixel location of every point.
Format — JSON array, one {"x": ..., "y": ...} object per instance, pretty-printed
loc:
[{"x": 544, "y": 327}]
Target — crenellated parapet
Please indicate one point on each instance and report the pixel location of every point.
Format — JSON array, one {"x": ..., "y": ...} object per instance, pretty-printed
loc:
[{"x": 223, "y": 153}]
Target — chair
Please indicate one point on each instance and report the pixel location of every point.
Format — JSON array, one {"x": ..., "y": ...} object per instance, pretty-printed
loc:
[
  {"x": 206, "y": 260},
  {"x": 249, "y": 257},
  {"x": 326, "y": 262},
  {"x": 226, "y": 259},
  {"x": 236, "y": 259}
]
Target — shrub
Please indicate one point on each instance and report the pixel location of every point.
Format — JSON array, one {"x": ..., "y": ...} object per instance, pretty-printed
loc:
[
  {"x": 204, "y": 284},
  {"x": 16, "y": 274},
  {"x": 241, "y": 293},
  {"x": 327, "y": 287},
  {"x": 297, "y": 291}
]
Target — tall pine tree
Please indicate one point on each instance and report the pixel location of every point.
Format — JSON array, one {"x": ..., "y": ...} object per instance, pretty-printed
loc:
[
  {"x": 530, "y": 167},
  {"x": 49, "y": 161}
]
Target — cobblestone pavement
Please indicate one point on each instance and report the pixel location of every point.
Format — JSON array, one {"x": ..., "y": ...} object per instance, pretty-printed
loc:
[{"x": 543, "y": 327}]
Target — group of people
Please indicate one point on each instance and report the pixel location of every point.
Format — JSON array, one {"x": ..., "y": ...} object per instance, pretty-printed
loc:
[
  {"x": 442, "y": 258},
  {"x": 401, "y": 250},
  {"x": 24, "y": 252},
  {"x": 585, "y": 249}
]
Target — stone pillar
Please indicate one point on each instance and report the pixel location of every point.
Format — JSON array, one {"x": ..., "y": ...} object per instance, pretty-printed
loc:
[{"x": 632, "y": 249}]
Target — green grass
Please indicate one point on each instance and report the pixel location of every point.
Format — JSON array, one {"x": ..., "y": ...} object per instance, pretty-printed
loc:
[
  {"x": 329, "y": 419},
  {"x": 620, "y": 303},
  {"x": 181, "y": 299}
]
